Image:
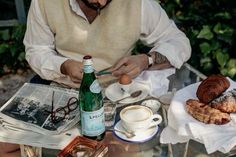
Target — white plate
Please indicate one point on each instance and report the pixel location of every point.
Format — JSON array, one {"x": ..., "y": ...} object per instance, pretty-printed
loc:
[
  {"x": 114, "y": 92},
  {"x": 177, "y": 107},
  {"x": 181, "y": 121},
  {"x": 139, "y": 138}
]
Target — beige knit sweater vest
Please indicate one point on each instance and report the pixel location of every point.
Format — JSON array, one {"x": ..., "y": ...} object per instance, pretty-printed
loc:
[{"x": 109, "y": 37}]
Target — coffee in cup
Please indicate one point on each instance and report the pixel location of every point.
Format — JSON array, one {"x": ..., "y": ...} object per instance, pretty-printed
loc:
[{"x": 138, "y": 118}]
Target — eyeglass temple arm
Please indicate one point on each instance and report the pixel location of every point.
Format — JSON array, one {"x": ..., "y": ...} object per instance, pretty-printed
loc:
[{"x": 53, "y": 92}]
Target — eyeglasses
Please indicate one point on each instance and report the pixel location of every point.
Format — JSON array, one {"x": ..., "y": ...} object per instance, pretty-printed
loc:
[{"x": 60, "y": 113}]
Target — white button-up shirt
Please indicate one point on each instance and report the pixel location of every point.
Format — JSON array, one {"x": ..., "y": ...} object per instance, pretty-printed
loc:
[{"x": 157, "y": 30}]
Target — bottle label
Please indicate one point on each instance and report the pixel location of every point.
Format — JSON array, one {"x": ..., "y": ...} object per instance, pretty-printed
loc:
[
  {"x": 88, "y": 69},
  {"x": 95, "y": 87},
  {"x": 93, "y": 123}
]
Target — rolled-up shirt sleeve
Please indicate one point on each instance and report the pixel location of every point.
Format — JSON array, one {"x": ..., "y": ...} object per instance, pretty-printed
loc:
[
  {"x": 39, "y": 46},
  {"x": 158, "y": 31}
]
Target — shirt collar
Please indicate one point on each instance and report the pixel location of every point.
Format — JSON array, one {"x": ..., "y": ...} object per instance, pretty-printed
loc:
[{"x": 76, "y": 8}]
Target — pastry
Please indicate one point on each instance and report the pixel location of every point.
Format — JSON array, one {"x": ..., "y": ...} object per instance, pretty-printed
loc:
[
  {"x": 206, "y": 114},
  {"x": 212, "y": 87},
  {"x": 226, "y": 102}
]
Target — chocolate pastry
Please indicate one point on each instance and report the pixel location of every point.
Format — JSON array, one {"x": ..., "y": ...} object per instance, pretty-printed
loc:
[
  {"x": 206, "y": 114},
  {"x": 226, "y": 102},
  {"x": 212, "y": 87}
]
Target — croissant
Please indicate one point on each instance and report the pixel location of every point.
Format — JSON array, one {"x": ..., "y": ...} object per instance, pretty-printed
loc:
[
  {"x": 226, "y": 102},
  {"x": 206, "y": 114},
  {"x": 212, "y": 87}
]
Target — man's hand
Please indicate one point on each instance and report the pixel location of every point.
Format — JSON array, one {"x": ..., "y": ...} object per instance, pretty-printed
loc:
[
  {"x": 131, "y": 65},
  {"x": 73, "y": 69}
]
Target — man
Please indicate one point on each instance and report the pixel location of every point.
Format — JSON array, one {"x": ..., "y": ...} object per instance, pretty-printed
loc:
[{"x": 60, "y": 32}]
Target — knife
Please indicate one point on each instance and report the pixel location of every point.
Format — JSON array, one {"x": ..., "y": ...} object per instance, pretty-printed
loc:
[{"x": 103, "y": 72}]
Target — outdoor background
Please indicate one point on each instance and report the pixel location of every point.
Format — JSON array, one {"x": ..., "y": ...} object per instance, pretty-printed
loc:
[{"x": 209, "y": 24}]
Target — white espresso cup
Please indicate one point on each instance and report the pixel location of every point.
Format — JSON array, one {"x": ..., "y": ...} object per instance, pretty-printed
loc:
[{"x": 138, "y": 118}]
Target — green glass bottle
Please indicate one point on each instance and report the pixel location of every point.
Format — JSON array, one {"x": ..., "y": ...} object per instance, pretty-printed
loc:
[{"x": 91, "y": 103}]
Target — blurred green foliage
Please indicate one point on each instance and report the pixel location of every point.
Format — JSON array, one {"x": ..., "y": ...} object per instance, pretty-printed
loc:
[
  {"x": 12, "y": 51},
  {"x": 211, "y": 27}
]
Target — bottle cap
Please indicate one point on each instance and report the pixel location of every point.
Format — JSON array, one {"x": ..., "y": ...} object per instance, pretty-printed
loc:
[{"x": 87, "y": 60}]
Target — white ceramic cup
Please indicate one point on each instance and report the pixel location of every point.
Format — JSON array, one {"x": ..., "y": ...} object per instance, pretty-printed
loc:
[{"x": 138, "y": 118}]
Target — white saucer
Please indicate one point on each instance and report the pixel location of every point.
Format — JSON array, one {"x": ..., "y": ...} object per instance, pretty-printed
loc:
[
  {"x": 114, "y": 92},
  {"x": 139, "y": 138}
]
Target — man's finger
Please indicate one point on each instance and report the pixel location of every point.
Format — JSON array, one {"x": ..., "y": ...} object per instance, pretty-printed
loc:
[
  {"x": 76, "y": 77},
  {"x": 124, "y": 70},
  {"x": 134, "y": 72},
  {"x": 75, "y": 80},
  {"x": 119, "y": 64}
]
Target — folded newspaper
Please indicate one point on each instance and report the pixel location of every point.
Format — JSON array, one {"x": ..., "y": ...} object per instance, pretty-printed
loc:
[{"x": 31, "y": 108}]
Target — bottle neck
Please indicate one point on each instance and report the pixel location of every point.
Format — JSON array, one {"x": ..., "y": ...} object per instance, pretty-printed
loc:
[{"x": 88, "y": 69}]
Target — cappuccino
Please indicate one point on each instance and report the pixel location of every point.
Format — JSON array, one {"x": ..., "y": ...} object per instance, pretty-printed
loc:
[
  {"x": 136, "y": 113},
  {"x": 138, "y": 118}
]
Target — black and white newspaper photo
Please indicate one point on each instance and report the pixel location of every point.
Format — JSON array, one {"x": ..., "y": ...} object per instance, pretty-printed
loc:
[{"x": 41, "y": 108}]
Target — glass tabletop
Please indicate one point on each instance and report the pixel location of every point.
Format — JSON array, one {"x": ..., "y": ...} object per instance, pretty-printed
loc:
[
  {"x": 121, "y": 148},
  {"x": 153, "y": 148}
]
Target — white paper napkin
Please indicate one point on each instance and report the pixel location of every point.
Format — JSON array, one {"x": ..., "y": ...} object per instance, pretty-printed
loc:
[
  {"x": 156, "y": 81},
  {"x": 214, "y": 137},
  {"x": 184, "y": 127},
  {"x": 169, "y": 135}
]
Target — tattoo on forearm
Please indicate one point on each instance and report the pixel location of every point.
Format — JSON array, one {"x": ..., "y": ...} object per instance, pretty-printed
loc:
[{"x": 159, "y": 58}]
